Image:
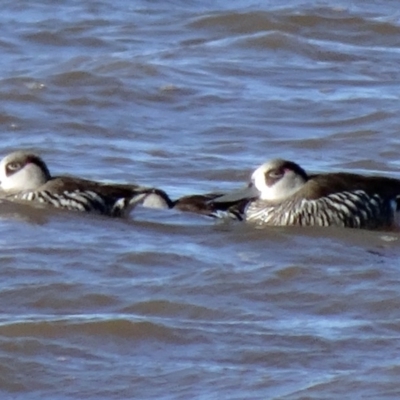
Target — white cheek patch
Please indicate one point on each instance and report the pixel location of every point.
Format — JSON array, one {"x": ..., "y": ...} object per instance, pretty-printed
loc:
[
  {"x": 30, "y": 177},
  {"x": 258, "y": 179},
  {"x": 3, "y": 176},
  {"x": 13, "y": 182}
]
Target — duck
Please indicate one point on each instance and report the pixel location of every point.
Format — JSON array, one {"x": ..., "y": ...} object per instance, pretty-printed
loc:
[
  {"x": 282, "y": 193},
  {"x": 25, "y": 177}
]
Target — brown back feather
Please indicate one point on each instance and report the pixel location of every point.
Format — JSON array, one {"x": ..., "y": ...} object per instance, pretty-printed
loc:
[{"x": 321, "y": 185}]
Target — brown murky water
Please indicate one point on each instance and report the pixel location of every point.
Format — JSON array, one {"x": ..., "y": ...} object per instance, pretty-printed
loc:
[{"x": 191, "y": 97}]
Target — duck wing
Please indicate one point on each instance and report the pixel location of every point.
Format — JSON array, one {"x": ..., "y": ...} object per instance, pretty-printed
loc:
[
  {"x": 323, "y": 185},
  {"x": 204, "y": 204}
]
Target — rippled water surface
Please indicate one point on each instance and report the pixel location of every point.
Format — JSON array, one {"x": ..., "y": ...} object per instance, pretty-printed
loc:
[{"x": 190, "y": 97}]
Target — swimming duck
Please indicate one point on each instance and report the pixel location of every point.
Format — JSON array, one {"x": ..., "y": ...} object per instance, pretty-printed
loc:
[
  {"x": 282, "y": 193},
  {"x": 25, "y": 177}
]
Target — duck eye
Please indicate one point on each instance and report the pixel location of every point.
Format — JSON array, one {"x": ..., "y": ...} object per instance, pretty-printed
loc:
[
  {"x": 13, "y": 166},
  {"x": 275, "y": 174}
]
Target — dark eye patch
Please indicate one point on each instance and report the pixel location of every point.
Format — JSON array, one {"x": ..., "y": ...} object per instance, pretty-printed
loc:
[
  {"x": 13, "y": 167},
  {"x": 273, "y": 175}
]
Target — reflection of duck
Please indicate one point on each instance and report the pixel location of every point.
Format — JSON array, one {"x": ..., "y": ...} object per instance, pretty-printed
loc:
[
  {"x": 282, "y": 193},
  {"x": 25, "y": 177}
]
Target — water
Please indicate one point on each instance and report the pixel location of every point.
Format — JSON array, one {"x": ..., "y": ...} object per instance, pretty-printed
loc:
[{"x": 191, "y": 97}]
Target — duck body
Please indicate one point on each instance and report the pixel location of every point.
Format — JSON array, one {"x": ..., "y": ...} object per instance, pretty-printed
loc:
[
  {"x": 287, "y": 196},
  {"x": 76, "y": 194}
]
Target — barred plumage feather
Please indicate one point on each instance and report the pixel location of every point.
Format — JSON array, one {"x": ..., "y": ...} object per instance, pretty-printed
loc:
[
  {"x": 77, "y": 200},
  {"x": 354, "y": 209}
]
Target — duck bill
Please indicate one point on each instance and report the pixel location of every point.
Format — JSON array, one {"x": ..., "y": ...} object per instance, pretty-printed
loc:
[{"x": 247, "y": 193}]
